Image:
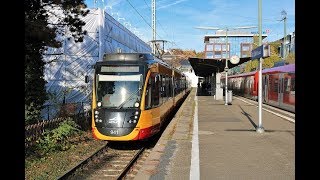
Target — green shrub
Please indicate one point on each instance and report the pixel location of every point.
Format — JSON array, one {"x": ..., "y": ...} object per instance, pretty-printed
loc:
[
  {"x": 32, "y": 113},
  {"x": 57, "y": 139}
]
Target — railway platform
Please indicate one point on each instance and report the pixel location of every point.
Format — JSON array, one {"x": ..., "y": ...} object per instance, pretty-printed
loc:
[{"x": 209, "y": 140}]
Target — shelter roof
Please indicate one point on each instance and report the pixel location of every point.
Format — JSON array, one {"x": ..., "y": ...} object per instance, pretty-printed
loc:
[{"x": 205, "y": 67}]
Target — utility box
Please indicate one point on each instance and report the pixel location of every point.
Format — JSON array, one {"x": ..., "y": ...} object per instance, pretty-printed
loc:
[
  {"x": 219, "y": 94},
  {"x": 229, "y": 97}
]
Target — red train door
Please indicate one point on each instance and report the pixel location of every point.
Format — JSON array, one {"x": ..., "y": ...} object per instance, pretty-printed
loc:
[
  {"x": 280, "y": 90},
  {"x": 273, "y": 89},
  {"x": 265, "y": 88},
  {"x": 255, "y": 84},
  {"x": 288, "y": 92}
]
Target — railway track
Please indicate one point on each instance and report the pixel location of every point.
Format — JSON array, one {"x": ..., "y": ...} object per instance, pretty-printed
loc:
[
  {"x": 109, "y": 162},
  {"x": 289, "y": 116},
  {"x": 117, "y": 160}
]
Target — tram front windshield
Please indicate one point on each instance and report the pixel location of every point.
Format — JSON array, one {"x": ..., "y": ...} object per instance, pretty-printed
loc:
[{"x": 119, "y": 91}]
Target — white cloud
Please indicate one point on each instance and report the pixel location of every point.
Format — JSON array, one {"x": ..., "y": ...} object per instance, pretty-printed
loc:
[
  {"x": 181, "y": 16},
  {"x": 114, "y": 2},
  {"x": 171, "y": 4}
]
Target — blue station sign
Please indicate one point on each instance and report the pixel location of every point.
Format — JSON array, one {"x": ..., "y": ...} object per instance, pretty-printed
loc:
[{"x": 262, "y": 51}]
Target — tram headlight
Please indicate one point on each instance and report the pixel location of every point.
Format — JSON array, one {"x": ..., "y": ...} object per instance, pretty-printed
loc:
[
  {"x": 99, "y": 104},
  {"x": 136, "y": 104}
]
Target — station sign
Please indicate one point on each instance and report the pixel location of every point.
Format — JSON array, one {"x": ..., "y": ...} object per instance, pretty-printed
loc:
[
  {"x": 262, "y": 51},
  {"x": 263, "y": 32}
]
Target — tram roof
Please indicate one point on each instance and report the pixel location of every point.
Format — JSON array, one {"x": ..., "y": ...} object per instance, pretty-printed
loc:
[
  {"x": 127, "y": 56},
  {"x": 146, "y": 57}
]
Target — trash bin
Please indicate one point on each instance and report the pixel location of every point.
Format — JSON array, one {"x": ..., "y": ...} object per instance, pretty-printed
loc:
[{"x": 229, "y": 97}]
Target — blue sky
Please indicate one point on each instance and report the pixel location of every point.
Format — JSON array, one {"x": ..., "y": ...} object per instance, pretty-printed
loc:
[{"x": 177, "y": 19}]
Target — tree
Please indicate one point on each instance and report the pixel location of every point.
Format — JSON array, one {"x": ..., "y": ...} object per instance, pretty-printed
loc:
[
  {"x": 200, "y": 54},
  {"x": 291, "y": 58},
  {"x": 255, "y": 41},
  {"x": 180, "y": 55},
  {"x": 251, "y": 65},
  {"x": 274, "y": 55},
  {"x": 267, "y": 62},
  {"x": 40, "y": 33}
]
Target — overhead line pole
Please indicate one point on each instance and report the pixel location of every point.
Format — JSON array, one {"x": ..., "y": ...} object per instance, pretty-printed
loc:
[
  {"x": 284, "y": 13},
  {"x": 153, "y": 26}
]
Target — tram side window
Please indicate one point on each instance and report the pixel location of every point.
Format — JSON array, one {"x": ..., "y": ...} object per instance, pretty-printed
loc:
[
  {"x": 168, "y": 85},
  {"x": 159, "y": 84},
  {"x": 185, "y": 84},
  {"x": 148, "y": 95},
  {"x": 176, "y": 85},
  {"x": 171, "y": 84},
  {"x": 179, "y": 85},
  {"x": 160, "y": 90},
  {"x": 163, "y": 88},
  {"x": 155, "y": 90},
  {"x": 152, "y": 94},
  {"x": 182, "y": 84}
]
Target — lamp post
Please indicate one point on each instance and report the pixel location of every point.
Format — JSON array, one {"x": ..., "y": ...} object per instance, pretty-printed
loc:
[
  {"x": 260, "y": 129},
  {"x": 226, "y": 67}
]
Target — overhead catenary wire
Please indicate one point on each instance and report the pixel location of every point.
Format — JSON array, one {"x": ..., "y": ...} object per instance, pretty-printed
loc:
[
  {"x": 157, "y": 20},
  {"x": 147, "y": 21},
  {"x": 142, "y": 17}
]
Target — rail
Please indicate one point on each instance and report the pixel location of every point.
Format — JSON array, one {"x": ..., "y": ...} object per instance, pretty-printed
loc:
[
  {"x": 131, "y": 163},
  {"x": 83, "y": 163}
]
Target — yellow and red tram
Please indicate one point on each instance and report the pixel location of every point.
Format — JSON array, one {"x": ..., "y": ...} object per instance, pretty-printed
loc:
[{"x": 132, "y": 95}]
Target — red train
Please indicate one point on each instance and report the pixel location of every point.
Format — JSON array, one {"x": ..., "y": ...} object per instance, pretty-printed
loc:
[{"x": 278, "y": 86}]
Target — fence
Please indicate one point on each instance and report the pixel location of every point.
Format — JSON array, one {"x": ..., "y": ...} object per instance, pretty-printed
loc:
[
  {"x": 34, "y": 131},
  {"x": 53, "y": 111}
]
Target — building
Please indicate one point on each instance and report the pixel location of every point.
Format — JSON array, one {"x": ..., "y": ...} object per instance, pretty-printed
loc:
[
  {"x": 185, "y": 66},
  {"x": 240, "y": 43},
  {"x": 290, "y": 44},
  {"x": 218, "y": 49},
  {"x": 72, "y": 63},
  {"x": 187, "y": 69}
]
